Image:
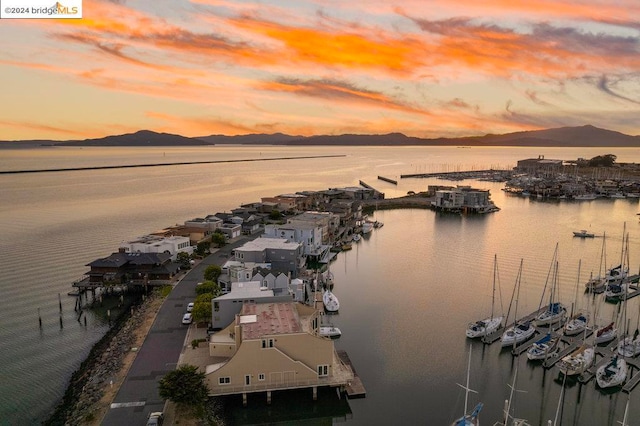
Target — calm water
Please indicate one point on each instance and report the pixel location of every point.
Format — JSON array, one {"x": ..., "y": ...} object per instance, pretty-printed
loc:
[{"x": 407, "y": 291}]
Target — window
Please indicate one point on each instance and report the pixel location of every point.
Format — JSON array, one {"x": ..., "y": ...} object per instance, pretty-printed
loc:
[
  {"x": 247, "y": 380},
  {"x": 267, "y": 343},
  {"x": 323, "y": 370},
  {"x": 224, "y": 380},
  {"x": 261, "y": 376}
]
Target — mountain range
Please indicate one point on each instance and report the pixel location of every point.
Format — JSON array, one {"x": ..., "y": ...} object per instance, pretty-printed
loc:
[{"x": 582, "y": 136}]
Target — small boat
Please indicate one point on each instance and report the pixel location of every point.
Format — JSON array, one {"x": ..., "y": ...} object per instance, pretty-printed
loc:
[
  {"x": 585, "y": 197},
  {"x": 492, "y": 323},
  {"x": 615, "y": 292},
  {"x": 329, "y": 331},
  {"x": 630, "y": 346},
  {"x": 555, "y": 313},
  {"x": 378, "y": 224},
  {"x": 468, "y": 419},
  {"x": 517, "y": 334},
  {"x": 356, "y": 237},
  {"x": 331, "y": 303},
  {"x": 367, "y": 227},
  {"x": 605, "y": 334},
  {"x": 544, "y": 348},
  {"x": 578, "y": 361},
  {"x": 613, "y": 373},
  {"x": 346, "y": 246},
  {"x": 583, "y": 234}
]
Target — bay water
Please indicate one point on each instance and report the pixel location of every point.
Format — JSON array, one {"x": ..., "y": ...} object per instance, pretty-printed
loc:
[{"x": 407, "y": 291}]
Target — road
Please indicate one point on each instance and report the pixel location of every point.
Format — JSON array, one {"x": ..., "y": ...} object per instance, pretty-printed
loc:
[{"x": 138, "y": 395}]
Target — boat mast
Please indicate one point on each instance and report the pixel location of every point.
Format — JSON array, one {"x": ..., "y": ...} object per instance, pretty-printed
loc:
[
  {"x": 493, "y": 296},
  {"x": 466, "y": 388}
]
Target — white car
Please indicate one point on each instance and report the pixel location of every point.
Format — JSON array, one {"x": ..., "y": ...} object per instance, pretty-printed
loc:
[
  {"x": 187, "y": 318},
  {"x": 190, "y": 307}
]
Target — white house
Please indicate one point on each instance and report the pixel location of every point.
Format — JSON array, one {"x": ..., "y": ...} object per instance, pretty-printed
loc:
[{"x": 157, "y": 244}]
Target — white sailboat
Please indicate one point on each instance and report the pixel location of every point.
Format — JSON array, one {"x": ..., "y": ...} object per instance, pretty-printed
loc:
[
  {"x": 578, "y": 361},
  {"x": 508, "y": 406},
  {"x": 331, "y": 303},
  {"x": 613, "y": 373},
  {"x": 520, "y": 331},
  {"x": 492, "y": 323},
  {"x": 468, "y": 419},
  {"x": 629, "y": 346},
  {"x": 555, "y": 312},
  {"x": 544, "y": 348},
  {"x": 598, "y": 283},
  {"x": 579, "y": 320}
]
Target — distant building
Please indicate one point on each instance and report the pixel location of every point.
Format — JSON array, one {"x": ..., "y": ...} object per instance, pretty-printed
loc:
[
  {"x": 539, "y": 165},
  {"x": 284, "y": 256},
  {"x": 464, "y": 199}
]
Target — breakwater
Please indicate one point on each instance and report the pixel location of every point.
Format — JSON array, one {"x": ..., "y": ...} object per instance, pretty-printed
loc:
[{"x": 182, "y": 163}]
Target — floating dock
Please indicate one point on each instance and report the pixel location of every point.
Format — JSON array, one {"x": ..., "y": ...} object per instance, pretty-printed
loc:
[{"x": 354, "y": 388}]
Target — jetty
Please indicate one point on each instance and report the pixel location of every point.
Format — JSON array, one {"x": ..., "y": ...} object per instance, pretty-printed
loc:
[{"x": 386, "y": 179}]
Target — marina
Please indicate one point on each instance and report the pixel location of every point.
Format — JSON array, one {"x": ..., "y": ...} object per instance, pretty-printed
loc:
[{"x": 386, "y": 301}]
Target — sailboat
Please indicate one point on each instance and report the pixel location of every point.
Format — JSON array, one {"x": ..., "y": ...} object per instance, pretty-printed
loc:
[
  {"x": 555, "y": 311},
  {"x": 544, "y": 348},
  {"x": 598, "y": 283},
  {"x": 492, "y": 323},
  {"x": 578, "y": 361},
  {"x": 617, "y": 283},
  {"x": 468, "y": 419},
  {"x": 507, "y": 406},
  {"x": 613, "y": 373},
  {"x": 520, "y": 331},
  {"x": 579, "y": 320},
  {"x": 629, "y": 346}
]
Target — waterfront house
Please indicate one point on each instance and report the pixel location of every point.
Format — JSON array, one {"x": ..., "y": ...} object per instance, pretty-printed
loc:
[
  {"x": 283, "y": 255},
  {"x": 230, "y": 230},
  {"x": 327, "y": 221},
  {"x": 131, "y": 268},
  {"x": 172, "y": 245},
  {"x": 273, "y": 346},
  {"x": 224, "y": 308},
  {"x": 307, "y": 234}
]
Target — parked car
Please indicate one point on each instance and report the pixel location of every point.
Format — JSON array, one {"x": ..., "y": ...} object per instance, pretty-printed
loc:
[
  {"x": 187, "y": 318},
  {"x": 155, "y": 418},
  {"x": 190, "y": 307}
]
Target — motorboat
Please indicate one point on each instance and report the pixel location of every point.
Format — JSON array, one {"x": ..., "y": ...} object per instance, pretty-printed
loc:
[
  {"x": 331, "y": 303},
  {"x": 613, "y": 373},
  {"x": 356, "y": 237},
  {"x": 583, "y": 234},
  {"x": 585, "y": 197},
  {"x": 544, "y": 348},
  {"x": 578, "y": 361},
  {"x": 367, "y": 227},
  {"x": 329, "y": 331}
]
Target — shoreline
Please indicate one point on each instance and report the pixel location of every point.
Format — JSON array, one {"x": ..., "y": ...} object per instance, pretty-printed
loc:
[{"x": 93, "y": 385}]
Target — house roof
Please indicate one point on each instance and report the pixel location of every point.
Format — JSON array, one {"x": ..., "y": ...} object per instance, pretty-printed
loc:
[
  {"x": 270, "y": 319},
  {"x": 117, "y": 260}
]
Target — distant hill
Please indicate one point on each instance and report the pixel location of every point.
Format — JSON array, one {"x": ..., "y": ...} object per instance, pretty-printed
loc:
[
  {"x": 140, "y": 138},
  {"x": 583, "y": 136}
]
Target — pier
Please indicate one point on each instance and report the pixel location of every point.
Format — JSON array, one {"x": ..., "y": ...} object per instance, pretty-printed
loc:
[{"x": 354, "y": 388}]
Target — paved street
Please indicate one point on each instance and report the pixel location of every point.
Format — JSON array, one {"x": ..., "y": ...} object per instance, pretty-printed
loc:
[{"x": 159, "y": 354}]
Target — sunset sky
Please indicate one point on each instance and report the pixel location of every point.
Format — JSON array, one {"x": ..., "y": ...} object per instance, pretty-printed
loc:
[{"x": 425, "y": 68}]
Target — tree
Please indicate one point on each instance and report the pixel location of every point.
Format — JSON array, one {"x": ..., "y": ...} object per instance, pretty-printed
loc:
[
  {"x": 202, "y": 307},
  {"x": 603, "y": 160},
  {"x": 275, "y": 215},
  {"x": 218, "y": 239},
  {"x": 184, "y": 260},
  {"x": 185, "y": 385},
  {"x": 202, "y": 248},
  {"x": 208, "y": 287},
  {"x": 212, "y": 273}
]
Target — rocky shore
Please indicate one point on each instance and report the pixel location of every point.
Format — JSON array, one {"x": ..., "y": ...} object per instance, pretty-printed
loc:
[{"x": 92, "y": 387}]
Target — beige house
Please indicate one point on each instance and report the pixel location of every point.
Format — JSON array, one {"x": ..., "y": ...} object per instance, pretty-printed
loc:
[{"x": 273, "y": 346}]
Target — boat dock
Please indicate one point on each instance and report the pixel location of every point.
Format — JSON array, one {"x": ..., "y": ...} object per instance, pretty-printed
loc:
[{"x": 355, "y": 388}]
